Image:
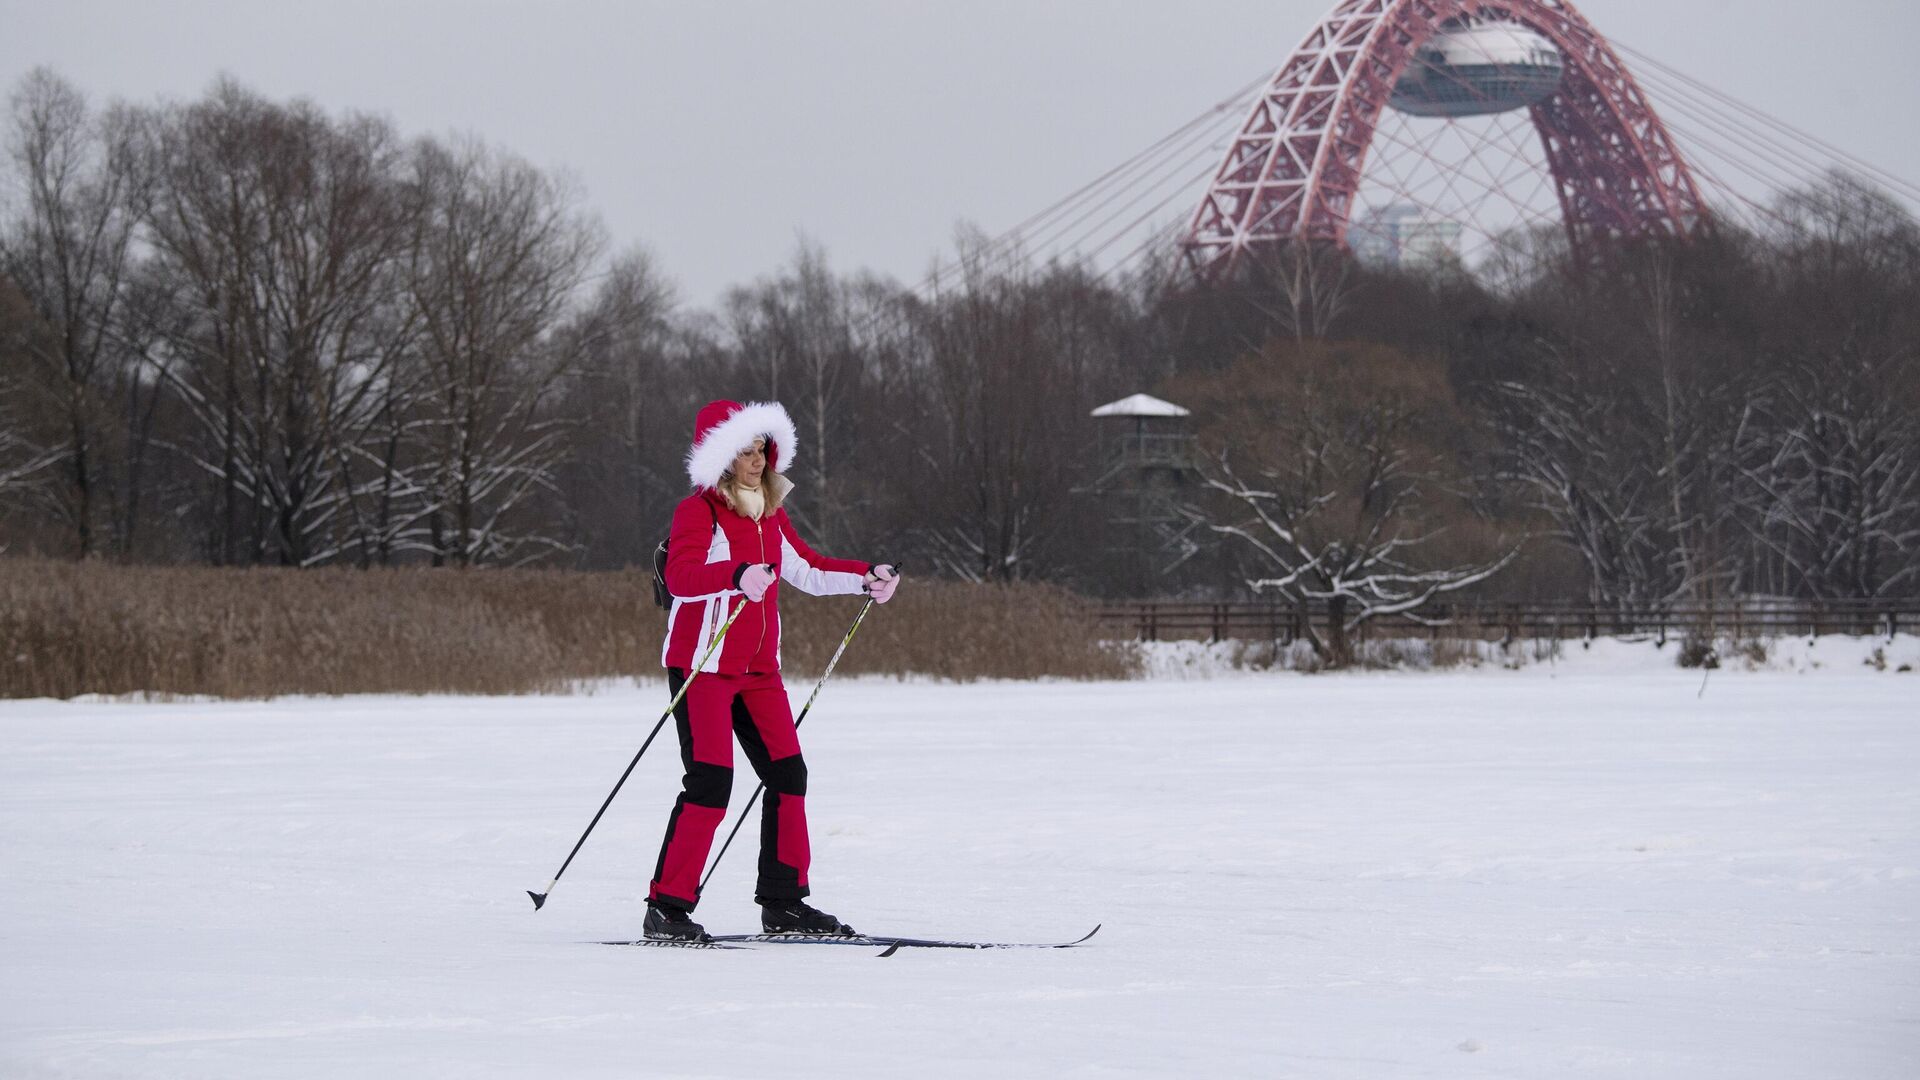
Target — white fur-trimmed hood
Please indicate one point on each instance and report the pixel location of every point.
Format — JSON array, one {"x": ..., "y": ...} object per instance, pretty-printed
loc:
[{"x": 715, "y": 448}]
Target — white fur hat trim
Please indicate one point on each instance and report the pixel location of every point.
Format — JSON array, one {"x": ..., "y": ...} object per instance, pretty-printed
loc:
[{"x": 713, "y": 455}]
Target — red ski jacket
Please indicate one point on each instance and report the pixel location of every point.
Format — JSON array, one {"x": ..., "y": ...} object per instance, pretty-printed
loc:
[{"x": 708, "y": 548}]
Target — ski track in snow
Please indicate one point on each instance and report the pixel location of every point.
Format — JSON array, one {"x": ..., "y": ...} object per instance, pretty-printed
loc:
[{"x": 1585, "y": 871}]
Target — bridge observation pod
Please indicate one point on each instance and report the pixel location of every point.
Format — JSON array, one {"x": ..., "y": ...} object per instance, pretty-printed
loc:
[
  {"x": 1292, "y": 172},
  {"x": 1478, "y": 69}
]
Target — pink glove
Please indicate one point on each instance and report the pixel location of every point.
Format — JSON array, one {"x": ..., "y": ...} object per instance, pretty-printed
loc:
[
  {"x": 756, "y": 580},
  {"x": 881, "y": 581}
]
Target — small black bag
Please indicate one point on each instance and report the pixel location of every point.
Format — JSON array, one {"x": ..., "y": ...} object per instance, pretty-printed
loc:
[{"x": 661, "y": 595}]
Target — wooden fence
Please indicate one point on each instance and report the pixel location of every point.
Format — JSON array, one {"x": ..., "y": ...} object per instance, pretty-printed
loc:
[{"x": 1158, "y": 620}]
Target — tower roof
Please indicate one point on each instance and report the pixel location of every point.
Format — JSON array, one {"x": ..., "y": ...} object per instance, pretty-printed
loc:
[{"x": 1140, "y": 405}]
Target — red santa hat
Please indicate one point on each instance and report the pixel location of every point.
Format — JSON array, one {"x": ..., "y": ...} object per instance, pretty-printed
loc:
[{"x": 723, "y": 430}]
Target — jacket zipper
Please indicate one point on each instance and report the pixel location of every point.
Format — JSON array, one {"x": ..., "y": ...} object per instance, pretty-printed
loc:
[{"x": 759, "y": 532}]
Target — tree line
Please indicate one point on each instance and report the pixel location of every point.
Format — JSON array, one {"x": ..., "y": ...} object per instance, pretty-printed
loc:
[{"x": 239, "y": 332}]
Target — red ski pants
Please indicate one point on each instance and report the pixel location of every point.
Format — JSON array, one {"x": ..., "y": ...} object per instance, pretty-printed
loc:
[{"x": 716, "y": 710}]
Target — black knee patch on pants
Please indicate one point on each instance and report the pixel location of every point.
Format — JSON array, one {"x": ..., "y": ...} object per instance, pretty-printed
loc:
[
  {"x": 709, "y": 785},
  {"x": 788, "y": 776}
]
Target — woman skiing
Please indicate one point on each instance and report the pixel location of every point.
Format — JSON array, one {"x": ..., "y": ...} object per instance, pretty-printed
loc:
[{"x": 730, "y": 547}]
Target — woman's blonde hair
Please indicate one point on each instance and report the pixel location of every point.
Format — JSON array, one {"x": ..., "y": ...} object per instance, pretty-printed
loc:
[{"x": 773, "y": 488}]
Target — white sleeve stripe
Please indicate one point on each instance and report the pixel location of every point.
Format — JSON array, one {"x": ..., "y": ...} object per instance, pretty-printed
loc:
[{"x": 805, "y": 577}]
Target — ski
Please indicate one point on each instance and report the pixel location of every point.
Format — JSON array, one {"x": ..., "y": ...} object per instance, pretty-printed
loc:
[
  {"x": 892, "y": 944},
  {"x": 889, "y": 944},
  {"x": 671, "y": 943}
]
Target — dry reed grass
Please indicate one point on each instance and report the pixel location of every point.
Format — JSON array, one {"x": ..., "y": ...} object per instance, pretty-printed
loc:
[
  {"x": 93, "y": 628},
  {"x": 954, "y": 631}
]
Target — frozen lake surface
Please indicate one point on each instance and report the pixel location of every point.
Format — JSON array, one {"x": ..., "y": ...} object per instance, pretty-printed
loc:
[{"x": 1586, "y": 870}]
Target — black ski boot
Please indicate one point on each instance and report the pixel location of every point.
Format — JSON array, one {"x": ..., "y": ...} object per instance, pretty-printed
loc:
[
  {"x": 672, "y": 924},
  {"x": 799, "y": 917}
]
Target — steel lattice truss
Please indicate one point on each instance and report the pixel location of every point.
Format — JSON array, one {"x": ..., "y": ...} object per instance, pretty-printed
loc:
[{"x": 1293, "y": 171}]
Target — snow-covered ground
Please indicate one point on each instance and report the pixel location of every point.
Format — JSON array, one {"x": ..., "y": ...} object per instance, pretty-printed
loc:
[
  {"x": 1585, "y": 868},
  {"x": 1831, "y": 653}
]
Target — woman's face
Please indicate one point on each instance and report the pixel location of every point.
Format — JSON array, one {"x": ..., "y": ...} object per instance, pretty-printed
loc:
[{"x": 750, "y": 463}]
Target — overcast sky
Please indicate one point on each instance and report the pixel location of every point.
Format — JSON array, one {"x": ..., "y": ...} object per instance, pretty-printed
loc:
[{"x": 715, "y": 133}]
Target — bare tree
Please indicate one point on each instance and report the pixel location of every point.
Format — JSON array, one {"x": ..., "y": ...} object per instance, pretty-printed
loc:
[
  {"x": 1830, "y": 460},
  {"x": 26, "y": 458},
  {"x": 1331, "y": 465},
  {"x": 208, "y": 223},
  {"x": 284, "y": 233},
  {"x": 69, "y": 254},
  {"x": 989, "y": 490},
  {"x": 1304, "y": 288},
  {"x": 502, "y": 252},
  {"x": 1832, "y": 490},
  {"x": 803, "y": 325},
  {"x": 1520, "y": 256},
  {"x": 1585, "y": 466},
  {"x": 1620, "y": 416},
  {"x": 623, "y": 473}
]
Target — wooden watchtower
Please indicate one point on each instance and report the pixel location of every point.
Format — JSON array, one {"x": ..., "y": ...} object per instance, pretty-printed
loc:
[{"x": 1147, "y": 474}]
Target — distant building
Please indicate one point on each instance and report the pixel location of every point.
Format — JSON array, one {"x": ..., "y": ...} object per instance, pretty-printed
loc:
[{"x": 1404, "y": 235}]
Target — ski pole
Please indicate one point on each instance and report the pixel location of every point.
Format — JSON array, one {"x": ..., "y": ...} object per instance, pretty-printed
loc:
[
  {"x": 741, "y": 820},
  {"x": 540, "y": 898}
]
